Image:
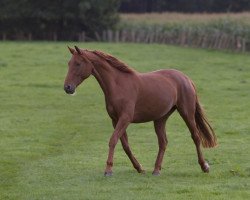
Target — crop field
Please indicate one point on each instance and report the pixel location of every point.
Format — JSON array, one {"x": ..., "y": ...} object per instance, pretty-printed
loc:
[
  {"x": 54, "y": 146},
  {"x": 171, "y": 17},
  {"x": 228, "y": 31}
]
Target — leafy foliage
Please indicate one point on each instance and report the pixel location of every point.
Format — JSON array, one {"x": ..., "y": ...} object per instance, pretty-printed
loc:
[
  {"x": 141, "y": 6},
  {"x": 59, "y": 16}
]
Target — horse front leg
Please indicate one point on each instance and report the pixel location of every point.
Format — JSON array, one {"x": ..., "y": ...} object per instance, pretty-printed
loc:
[
  {"x": 126, "y": 148},
  {"x": 120, "y": 129}
]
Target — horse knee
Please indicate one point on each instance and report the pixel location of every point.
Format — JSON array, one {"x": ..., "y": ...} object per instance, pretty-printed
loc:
[
  {"x": 163, "y": 145},
  {"x": 163, "y": 148},
  {"x": 112, "y": 142}
]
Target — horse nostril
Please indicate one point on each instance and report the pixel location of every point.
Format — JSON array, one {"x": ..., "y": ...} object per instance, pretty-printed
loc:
[
  {"x": 69, "y": 89},
  {"x": 66, "y": 87}
]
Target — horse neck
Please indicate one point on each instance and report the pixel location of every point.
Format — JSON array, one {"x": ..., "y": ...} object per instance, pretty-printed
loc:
[{"x": 106, "y": 76}]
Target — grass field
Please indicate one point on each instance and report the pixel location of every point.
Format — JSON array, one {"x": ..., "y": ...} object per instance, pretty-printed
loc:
[{"x": 54, "y": 146}]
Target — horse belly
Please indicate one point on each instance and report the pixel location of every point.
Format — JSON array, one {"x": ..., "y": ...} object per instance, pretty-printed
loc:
[{"x": 153, "y": 108}]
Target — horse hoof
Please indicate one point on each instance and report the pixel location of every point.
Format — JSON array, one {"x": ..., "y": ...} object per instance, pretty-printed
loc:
[
  {"x": 205, "y": 167},
  {"x": 107, "y": 174},
  {"x": 156, "y": 173},
  {"x": 140, "y": 170}
]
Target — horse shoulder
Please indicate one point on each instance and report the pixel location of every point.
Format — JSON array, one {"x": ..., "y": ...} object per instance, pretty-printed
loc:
[{"x": 121, "y": 100}]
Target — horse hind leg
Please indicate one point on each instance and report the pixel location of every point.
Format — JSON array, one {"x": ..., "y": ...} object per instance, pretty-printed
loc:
[
  {"x": 160, "y": 130},
  {"x": 188, "y": 116},
  {"x": 159, "y": 126}
]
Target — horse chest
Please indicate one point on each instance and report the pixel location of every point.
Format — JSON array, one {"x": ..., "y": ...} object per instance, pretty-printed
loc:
[{"x": 111, "y": 110}]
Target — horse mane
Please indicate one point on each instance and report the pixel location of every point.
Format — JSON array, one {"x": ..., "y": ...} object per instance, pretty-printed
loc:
[{"x": 114, "y": 62}]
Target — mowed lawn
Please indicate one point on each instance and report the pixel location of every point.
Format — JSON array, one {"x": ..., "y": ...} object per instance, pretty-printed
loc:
[{"x": 54, "y": 146}]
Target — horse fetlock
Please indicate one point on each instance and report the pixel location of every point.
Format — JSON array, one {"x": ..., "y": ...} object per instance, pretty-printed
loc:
[
  {"x": 205, "y": 167},
  {"x": 110, "y": 164}
]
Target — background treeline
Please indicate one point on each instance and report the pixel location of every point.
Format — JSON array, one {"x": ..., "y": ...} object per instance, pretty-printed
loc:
[
  {"x": 86, "y": 19},
  {"x": 189, "y": 6},
  {"x": 56, "y": 19}
]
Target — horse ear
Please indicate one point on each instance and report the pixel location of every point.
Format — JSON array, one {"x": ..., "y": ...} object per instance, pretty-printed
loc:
[
  {"x": 78, "y": 50},
  {"x": 72, "y": 51}
]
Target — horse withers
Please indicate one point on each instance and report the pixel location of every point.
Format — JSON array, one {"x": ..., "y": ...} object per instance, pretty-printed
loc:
[{"x": 133, "y": 97}]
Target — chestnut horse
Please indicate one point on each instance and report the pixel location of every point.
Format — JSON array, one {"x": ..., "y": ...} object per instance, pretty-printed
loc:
[{"x": 133, "y": 97}]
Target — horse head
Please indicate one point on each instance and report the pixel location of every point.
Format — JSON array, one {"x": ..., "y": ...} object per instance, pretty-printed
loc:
[{"x": 79, "y": 68}]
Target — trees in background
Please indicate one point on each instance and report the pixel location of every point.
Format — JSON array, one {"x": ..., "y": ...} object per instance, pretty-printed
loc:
[
  {"x": 58, "y": 19},
  {"x": 141, "y": 6}
]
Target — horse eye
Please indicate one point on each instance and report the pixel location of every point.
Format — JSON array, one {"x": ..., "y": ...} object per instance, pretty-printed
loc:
[{"x": 78, "y": 64}]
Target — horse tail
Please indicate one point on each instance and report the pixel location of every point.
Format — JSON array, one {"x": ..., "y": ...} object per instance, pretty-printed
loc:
[{"x": 206, "y": 132}]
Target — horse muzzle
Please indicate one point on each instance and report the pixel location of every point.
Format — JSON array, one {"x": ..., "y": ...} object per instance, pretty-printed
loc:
[{"x": 69, "y": 89}]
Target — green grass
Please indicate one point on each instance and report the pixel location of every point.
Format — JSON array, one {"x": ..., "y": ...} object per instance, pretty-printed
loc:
[{"x": 54, "y": 146}]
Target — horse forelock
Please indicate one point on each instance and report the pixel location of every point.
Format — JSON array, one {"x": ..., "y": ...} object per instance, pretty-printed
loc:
[{"x": 114, "y": 62}]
